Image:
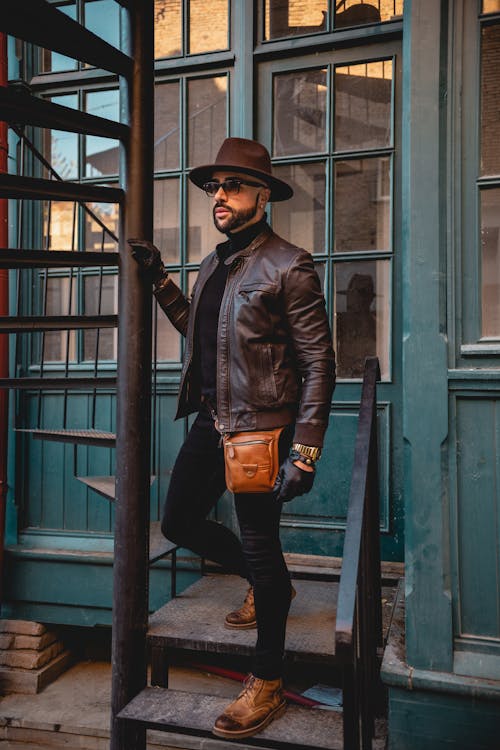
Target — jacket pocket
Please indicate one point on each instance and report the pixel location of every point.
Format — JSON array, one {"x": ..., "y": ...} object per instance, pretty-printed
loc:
[{"x": 266, "y": 381}]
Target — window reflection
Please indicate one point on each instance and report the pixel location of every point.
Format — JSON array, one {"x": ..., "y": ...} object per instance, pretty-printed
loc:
[
  {"x": 300, "y": 112},
  {"x": 60, "y": 225},
  {"x": 168, "y": 28},
  {"x": 168, "y": 346},
  {"x": 101, "y": 154},
  {"x": 102, "y": 18},
  {"x": 96, "y": 238},
  {"x": 362, "y": 316},
  {"x": 60, "y": 300},
  {"x": 363, "y": 95},
  {"x": 294, "y": 17},
  {"x": 61, "y": 147},
  {"x": 490, "y": 111},
  {"x": 202, "y": 234},
  {"x": 100, "y": 298},
  {"x": 359, "y": 12},
  {"x": 166, "y": 219},
  {"x": 54, "y": 62},
  {"x": 302, "y": 218},
  {"x": 362, "y": 205},
  {"x": 490, "y": 262},
  {"x": 208, "y": 25},
  {"x": 491, "y": 6},
  {"x": 166, "y": 143},
  {"x": 206, "y": 118}
]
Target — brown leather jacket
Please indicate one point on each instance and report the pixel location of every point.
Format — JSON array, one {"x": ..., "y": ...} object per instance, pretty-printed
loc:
[{"x": 275, "y": 361}]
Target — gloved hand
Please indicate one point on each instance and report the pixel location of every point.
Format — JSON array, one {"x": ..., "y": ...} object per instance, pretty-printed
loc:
[
  {"x": 292, "y": 481},
  {"x": 149, "y": 259}
]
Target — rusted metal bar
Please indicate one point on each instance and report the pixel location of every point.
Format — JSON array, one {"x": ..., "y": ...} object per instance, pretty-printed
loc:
[
  {"x": 130, "y": 569},
  {"x": 20, "y": 107},
  {"x": 37, "y": 188},
  {"x": 39, "y": 22}
]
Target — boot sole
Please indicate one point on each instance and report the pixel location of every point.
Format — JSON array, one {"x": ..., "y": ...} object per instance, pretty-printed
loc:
[
  {"x": 242, "y": 733},
  {"x": 245, "y": 626}
]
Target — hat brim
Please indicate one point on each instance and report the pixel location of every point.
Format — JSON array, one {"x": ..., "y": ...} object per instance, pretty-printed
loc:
[{"x": 280, "y": 190}]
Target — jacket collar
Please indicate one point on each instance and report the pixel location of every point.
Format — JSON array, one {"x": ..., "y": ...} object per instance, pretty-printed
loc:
[{"x": 257, "y": 242}]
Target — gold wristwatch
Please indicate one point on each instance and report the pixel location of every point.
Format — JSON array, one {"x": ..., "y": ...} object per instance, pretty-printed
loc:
[{"x": 310, "y": 454}]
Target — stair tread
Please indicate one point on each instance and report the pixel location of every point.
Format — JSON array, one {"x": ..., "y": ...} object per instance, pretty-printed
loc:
[
  {"x": 83, "y": 437},
  {"x": 104, "y": 485},
  {"x": 158, "y": 546},
  {"x": 195, "y": 713},
  {"x": 195, "y": 619}
]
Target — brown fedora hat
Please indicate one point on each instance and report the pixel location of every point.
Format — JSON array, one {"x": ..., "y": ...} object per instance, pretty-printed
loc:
[{"x": 249, "y": 157}]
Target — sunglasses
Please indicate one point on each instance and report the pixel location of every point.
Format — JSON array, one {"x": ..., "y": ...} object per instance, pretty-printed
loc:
[{"x": 231, "y": 186}]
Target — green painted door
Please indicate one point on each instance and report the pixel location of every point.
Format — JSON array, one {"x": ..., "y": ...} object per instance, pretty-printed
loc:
[{"x": 331, "y": 122}]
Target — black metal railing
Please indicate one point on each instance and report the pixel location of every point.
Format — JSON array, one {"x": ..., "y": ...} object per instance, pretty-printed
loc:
[{"x": 358, "y": 630}]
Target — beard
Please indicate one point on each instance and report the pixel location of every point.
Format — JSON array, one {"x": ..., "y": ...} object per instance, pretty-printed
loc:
[{"x": 236, "y": 219}]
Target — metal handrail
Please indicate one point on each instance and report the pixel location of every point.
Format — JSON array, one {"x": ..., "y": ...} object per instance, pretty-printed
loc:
[{"x": 358, "y": 630}]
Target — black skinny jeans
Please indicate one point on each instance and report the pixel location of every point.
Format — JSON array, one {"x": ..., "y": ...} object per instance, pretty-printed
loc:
[{"x": 196, "y": 484}]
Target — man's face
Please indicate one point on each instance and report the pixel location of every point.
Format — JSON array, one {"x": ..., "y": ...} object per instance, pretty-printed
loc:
[{"x": 235, "y": 212}]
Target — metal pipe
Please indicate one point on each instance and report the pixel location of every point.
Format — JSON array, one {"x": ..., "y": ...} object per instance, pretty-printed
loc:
[
  {"x": 4, "y": 310},
  {"x": 130, "y": 569}
]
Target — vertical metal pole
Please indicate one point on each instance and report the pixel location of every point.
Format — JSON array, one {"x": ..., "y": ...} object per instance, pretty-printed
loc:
[
  {"x": 130, "y": 591},
  {"x": 4, "y": 310}
]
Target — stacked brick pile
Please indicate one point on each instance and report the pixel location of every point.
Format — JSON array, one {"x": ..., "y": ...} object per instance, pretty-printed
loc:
[{"x": 30, "y": 656}]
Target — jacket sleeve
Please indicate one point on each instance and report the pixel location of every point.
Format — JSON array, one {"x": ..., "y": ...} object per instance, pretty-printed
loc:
[
  {"x": 312, "y": 342},
  {"x": 174, "y": 304}
]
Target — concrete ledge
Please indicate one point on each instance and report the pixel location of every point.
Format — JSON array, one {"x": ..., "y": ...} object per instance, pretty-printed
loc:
[{"x": 397, "y": 673}]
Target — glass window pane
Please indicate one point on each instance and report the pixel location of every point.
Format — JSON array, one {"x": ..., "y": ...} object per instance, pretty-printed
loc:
[
  {"x": 202, "y": 234},
  {"x": 294, "y": 17},
  {"x": 301, "y": 219},
  {"x": 100, "y": 298},
  {"x": 490, "y": 111},
  {"x": 300, "y": 112},
  {"x": 60, "y": 225},
  {"x": 102, "y": 17},
  {"x": 491, "y": 6},
  {"x": 168, "y": 28},
  {"x": 168, "y": 345},
  {"x": 60, "y": 148},
  {"x": 359, "y": 12},
  {"x": 207, "y": 121},
  {"x": 101, "y": 154},
  {"x": 363, "y": 96},
  {"x": 54, "y": 62},
  {"x": 208, "y": 25},
  {"x": 59, "y": 301},
  {"x": 166, "y": 219},
  {"x": 362, "y": 205},
  {"x": 97, "y": 238},
  {"x": 362, "y": 316},
  {"x": 167, "y": 126},
  {"x": 490, "y": 262},
  {"x": 321, "y": 271}
]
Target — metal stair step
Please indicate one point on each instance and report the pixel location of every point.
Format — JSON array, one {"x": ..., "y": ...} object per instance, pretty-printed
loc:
[
  {"x": 159, "y": 546},
  {"x": 58, "y": 384},
  {"x": 12, "y": 258},
  {"x": 37, "y": 188},
  {"x": 19, "y": 107},
  {"x": 27, "y": 323},
  {"x": 76, "y": 437},
  {"x": 39, "y": 22},
  {"x": 195, "y": 714},
  {"x": 104, "y": 486},
  {"x": 194, "y": 620}
]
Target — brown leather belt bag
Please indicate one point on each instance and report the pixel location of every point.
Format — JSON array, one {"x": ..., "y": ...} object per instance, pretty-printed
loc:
[{"x": 252, "y": 460}]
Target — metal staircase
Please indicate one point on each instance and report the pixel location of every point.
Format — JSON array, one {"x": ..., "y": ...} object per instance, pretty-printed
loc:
[{"x": 333, "y": 624}]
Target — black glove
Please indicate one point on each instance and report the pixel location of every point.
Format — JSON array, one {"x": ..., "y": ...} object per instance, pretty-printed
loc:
[
  {"x": 149, "y": 259},
  {"x": 292, "y": 481}
]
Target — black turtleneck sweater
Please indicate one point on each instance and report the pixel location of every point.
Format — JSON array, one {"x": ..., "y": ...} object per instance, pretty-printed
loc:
[{"x": 209, "y": 307}]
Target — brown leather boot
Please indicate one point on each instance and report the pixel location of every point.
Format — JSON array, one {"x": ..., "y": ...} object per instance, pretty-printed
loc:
[
  {"x": 256, "y": 706},
  {"x": 244, "y": 617}
]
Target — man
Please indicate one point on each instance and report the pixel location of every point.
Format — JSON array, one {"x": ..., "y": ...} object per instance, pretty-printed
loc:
[{"x": 258, "y": 356}]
